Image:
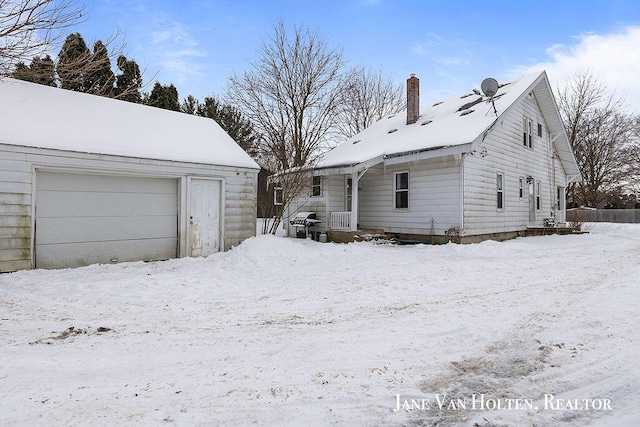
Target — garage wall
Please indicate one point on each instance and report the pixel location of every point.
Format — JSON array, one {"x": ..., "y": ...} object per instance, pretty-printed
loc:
[{"x": 16, "y": 187}]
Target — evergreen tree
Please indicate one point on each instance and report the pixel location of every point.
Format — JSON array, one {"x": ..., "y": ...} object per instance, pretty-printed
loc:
[
  {"x": 99, "y": 77},
  {"x": 232, "y": 121},
  {"x": 41, "y": 71},
  {"x": 129, "y": 81},
  {"x": 73, "y": 61},
  {"x": 164, "y": 97},
  {"x": 190, "y": 105}
]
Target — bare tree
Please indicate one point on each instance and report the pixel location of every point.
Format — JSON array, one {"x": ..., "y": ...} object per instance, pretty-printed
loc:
[
  {"x": 282, "y": 190},
  {"x": 290, "y": 95},
  {"x": 366, "y": 97},
  {"x": 600, "y": 133},
  {"x": 29, "y": 28}
]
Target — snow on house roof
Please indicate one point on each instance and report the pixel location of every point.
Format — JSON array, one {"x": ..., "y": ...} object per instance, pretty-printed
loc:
[
  {"x": 46, "y": 117},
  {"x": 454, "y": 122}
]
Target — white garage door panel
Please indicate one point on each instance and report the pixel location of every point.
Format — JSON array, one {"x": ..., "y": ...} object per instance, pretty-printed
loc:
[
  {"x": 84, "y": 229},
  {"x": 83, "y": 219},
  {"x": 56, "y": 204},
  {"x": 115, "y": 183},
  {"x": 80, "y": 254}
]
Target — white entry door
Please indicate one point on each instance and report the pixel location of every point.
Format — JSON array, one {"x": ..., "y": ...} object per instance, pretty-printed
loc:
[{"x": 205, "y": 228}]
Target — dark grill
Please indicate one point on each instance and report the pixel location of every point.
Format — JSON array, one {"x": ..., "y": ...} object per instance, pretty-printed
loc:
[{"x": 305, "y": 224}]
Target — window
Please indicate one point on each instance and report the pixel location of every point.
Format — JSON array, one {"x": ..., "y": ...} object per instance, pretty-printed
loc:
[
  {"x": 316, "y": 186},
  {"x": 401, "y": 190},
  {"x": 560, "y": 199},
  {"x": 278, "y": 194},
  {"x": 521, "y": 187},
  {"x": 540, "y": 130},
  {"x": 538, "y": 186},
  {"x": 527, "y": 132},
  {"x": 500, "y": 190}
]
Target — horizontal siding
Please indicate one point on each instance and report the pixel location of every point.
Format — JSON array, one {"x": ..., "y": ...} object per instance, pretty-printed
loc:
[
  {"x": 505, "y": 153},
  {"x": 434, "y": 199},
  {"x": 240, "y": 207},
  {"x": 15, "y": 210}
]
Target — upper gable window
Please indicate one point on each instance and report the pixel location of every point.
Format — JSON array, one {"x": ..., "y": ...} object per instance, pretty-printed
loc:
[
  {"x": 527, "y": 132},
  {"x": 316, "y": 186},
  {"x": 401, "y": 190}
]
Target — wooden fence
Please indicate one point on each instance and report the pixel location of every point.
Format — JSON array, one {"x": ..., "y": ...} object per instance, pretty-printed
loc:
[{"x": 604, "y": 215}]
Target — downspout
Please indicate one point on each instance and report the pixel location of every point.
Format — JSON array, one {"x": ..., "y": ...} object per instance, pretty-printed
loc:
[
  {"x": 462, "y": 157},
  {"x": 354, "y": 201}
]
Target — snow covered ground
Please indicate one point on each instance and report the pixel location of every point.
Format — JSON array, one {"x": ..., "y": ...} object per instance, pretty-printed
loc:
[{"x": 291, "y": 332}]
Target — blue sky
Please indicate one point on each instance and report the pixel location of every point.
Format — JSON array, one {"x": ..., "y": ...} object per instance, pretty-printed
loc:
[{"x": 450, "y": 45}]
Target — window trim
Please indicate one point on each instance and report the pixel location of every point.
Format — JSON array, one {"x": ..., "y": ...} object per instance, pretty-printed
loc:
[
  {"x": 278, "y": 190},
  {"x": 500, "y": 199},
  {"x": 521, "y": 187},
  {"x": 317, "y": 186},
  {"x": 538, "y": 190},
  {"x": 560, "y": 200},
  {"x": 527, "y": 132},
  {"x": 396, "y": 190}
]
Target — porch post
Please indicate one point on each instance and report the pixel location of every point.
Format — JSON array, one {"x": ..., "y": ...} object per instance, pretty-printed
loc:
[{"x": 354, "y": 201}]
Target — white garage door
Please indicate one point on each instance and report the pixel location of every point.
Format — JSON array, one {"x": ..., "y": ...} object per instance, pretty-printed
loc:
[{"x": 83, "y": 219}]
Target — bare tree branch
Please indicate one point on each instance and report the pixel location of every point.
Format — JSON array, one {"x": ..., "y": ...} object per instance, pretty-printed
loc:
[
  {"x": 366, "y": 97},
  {"x": 601, "y": 136},
  {"x": 290, "y": 95},
  {"x": 29, "y": 28}
]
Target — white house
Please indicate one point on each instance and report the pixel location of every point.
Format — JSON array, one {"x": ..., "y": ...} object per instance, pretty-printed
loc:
[
  {"x": 86, "y": 179},
  {"x": 475, "y": 167}
]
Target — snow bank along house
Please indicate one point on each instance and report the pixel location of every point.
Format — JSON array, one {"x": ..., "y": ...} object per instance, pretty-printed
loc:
[
  {"x": 86, "y": 179},
  {"x": 459, "y": 168}
]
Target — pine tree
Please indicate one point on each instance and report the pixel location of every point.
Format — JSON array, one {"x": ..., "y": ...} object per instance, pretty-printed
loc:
[
  {"x": 190, "y": 105},
  {"x": 73, "y": 61},
  {"x": 99, "y": 77},
  {"x": 129, "y": 81},
  {"x": 164, "y": 97},
  {"x": 41, "y": 71},
  {"x": 232, "y": 121}
]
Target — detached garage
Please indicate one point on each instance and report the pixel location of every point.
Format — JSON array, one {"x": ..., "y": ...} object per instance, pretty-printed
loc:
[{"x": 86, "y": 179}]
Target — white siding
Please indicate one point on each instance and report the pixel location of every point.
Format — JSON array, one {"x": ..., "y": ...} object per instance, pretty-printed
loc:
[
  {"x": 18, "y": 163},
  {"x": 504, "y": 152},
  {"x": 434, "y": 198}
]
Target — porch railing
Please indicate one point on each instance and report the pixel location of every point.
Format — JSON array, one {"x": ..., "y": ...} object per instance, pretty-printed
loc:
[{"x": 340, "y": 221}]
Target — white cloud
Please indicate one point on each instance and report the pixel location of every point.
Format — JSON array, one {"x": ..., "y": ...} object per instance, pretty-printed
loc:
[
  {"x": 178, "y": 52},
  {"x": 613, "y": 57}
]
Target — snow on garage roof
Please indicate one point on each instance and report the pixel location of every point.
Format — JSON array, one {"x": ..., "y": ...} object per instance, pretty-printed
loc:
[
  {"x": 40, "y": 116},
  {"x": 453, "y": 122}
]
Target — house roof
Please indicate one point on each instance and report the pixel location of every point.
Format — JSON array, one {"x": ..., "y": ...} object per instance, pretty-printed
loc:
[
  {"x": 454, "y": 125},
  {"x": 46, "y": 117}
]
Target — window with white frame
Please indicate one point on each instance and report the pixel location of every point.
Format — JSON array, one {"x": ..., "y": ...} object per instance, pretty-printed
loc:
[
  {"x": 278, "y": 194},
  {"x": 316, "y": 186},
  {"x": 401, "y": 190},
  {"x": 521, "y": 187},
  {"x": 540, "y": 130},
  {"x": 538, "y": 191},
  {"x": 560, "y": 199},
  {"x": 500, "y": 190},
  {"x": 527, "y": 132}
]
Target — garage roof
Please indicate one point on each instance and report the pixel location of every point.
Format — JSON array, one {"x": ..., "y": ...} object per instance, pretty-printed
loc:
[{"x": 46, "y": 117}]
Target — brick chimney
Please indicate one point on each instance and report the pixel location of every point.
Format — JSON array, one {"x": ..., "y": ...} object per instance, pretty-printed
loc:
[{"x": 413, "y": 99}]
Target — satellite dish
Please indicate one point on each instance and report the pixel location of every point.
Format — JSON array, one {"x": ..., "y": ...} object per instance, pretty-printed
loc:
[{"x": 489, "y": 87}]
